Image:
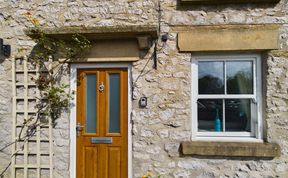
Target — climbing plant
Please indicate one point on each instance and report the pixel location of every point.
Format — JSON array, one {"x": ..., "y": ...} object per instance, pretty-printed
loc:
[
  {"x": 50, "y": 56},
  {"x": 149, "y": 174},
  {"x": 46, "y": 57}
]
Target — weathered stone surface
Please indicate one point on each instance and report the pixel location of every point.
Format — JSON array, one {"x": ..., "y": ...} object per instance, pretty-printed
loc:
[
  {"x": 227, "y": 38},
  {"x": 172, "y": 148},
  {"x": 101, "y": 32},
  {"x": 231, "y": 149},
  {"x": 158, "y": 129},
  {"x": 225, "y": 1}
]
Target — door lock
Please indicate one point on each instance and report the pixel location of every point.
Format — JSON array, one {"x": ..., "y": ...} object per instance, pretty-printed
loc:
[
  {"x": 101, "y": 87},
  {"x": 79, "y": 128}
]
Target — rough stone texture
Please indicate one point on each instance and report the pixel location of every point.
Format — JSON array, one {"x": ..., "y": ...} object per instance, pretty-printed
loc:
[
  {"x": 199, "y": 2},
  {"x": 5, "y": 111},
  {"x": 231, "y": 149},
  {"x": 159, "y": 128},
  {"x": 228, "y": 38}
]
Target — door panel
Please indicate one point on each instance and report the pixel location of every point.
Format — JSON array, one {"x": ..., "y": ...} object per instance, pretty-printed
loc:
[
  {"x": 114, "y": 162},
  {"x": 102, "y": 113},
  {"x": 91, "y": 153}
]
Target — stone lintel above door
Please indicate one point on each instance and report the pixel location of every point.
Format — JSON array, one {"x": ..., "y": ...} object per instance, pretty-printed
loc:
[
  {"x": 118, "y": 43},
  {"x": 101, "y": 32}
]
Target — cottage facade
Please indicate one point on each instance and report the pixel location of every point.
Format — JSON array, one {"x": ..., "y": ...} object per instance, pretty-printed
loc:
[{"x": 187, "y": 88}]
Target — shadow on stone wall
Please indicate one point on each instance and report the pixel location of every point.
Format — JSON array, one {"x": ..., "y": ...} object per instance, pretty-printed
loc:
[
  {"x": 222, "y": 7},
  {"x": 229, "y": 158},
  {"x": 2, "y": 58}
]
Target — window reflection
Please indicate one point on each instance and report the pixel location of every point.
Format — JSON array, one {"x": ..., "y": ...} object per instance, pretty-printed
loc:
[
  {"x": 207, "y": 113},
  {"x": 237, "y": 115},
  {"x": 239, "y": 77},
  {"x": 211, "y": 77}
]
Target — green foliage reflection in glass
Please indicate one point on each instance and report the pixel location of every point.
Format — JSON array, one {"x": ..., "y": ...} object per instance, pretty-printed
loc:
[
  {"x": 211, "y": 81},
  {"x": 211, "y": 77},
  {"x": 239, "y": 77}
]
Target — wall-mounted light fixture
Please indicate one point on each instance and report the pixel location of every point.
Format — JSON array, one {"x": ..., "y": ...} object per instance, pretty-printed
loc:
[
  {"x": 5, "y": 49},
  {"x": 164, "y": 37}
]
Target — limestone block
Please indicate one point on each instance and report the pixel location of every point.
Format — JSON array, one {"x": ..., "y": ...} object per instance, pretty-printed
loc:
[
  {"x": 146, "y": 133},
  {"x": 231, "y": 149},
  {"x": 172, "y": 148},
  {"x": 190, "y": 164},
  {"x": 166, "y": 114},
  {"x": 169, "y": 84},
  {"x": 154, "y": 150},
  {"x": 225, "y": 1},
  {"x": 181, "y": 174},
  {"x": 228, "y": 38},
  {"x": 163, "y": 133}
]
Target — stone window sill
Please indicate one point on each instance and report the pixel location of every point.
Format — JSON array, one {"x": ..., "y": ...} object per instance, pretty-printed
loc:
[
  {"x": 192, "y": 2},
  {"x": 231, "y": 149}
]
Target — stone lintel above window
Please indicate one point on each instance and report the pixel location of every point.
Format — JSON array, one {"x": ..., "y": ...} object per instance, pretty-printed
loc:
[
  {"x": 227, "y": 38},
  {"x": 231, "y": 149},
  {"x": 187, "y": 2}
]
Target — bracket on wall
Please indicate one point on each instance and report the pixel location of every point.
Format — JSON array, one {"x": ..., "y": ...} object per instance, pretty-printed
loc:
[
  {"x": 144, "y": 42},
  {"x": 5, "y": 49}
]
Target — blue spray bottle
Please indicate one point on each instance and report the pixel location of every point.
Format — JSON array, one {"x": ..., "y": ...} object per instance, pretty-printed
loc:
[{"x": 217, "y": 124}]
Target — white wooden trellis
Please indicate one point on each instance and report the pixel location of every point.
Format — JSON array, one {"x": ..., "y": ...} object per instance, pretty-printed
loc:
[{"x": 31, "y": 158}]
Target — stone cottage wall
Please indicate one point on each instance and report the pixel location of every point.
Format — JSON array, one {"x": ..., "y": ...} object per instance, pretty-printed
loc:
[
  {"x": 159, "y": 128},
  {"x": 166, "y": 121}
]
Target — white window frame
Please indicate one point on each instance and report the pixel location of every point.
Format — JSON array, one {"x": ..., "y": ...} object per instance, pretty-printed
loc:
[{"x": 256, "y": 134}]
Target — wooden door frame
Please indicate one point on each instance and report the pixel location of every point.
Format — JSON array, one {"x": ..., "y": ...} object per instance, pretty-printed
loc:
[{"x": 73, "y": 108}]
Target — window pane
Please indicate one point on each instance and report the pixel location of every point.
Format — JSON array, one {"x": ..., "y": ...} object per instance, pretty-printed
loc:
[
  {"x": 114, "y": 103},
  {"x": 90, "y": 104},
  {"x": 207, "y": 115},
  {"x": 211, "y": 77},
  {"x": 237, "y": 115},
  {"x": 239, "y": 77}
]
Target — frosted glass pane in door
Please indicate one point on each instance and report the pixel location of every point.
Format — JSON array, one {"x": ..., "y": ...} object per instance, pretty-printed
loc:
[
  {"x": 114, "y": 103},
  {"x": 90, "y": 104}
]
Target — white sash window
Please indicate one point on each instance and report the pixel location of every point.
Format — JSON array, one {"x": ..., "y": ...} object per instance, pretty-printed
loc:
[{"x": 226, "y": 97}]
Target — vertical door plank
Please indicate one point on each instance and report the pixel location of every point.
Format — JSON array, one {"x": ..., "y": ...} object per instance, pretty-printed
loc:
[
  {"x": 91, "y": 165},
  {"x": 114, "y": 162}
]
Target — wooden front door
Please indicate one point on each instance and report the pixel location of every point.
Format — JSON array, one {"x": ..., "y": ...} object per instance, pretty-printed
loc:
[{"x": 102, "y": 119}]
